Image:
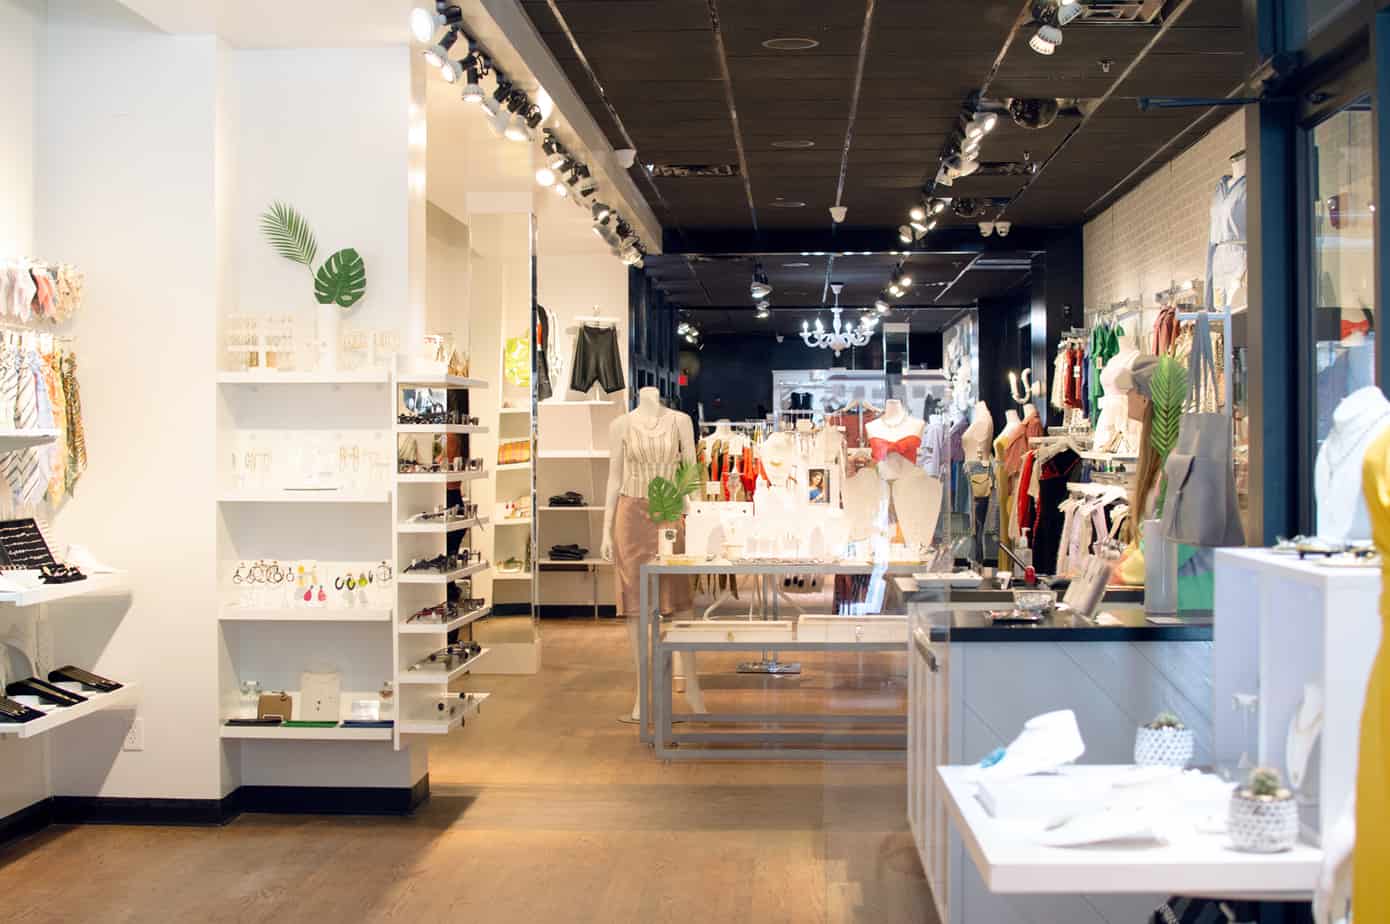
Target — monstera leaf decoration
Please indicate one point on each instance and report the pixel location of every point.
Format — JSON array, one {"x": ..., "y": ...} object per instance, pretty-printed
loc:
[
  {"x": 1169, "y": 394},
  {"x": 342, "y": 280},
  {"x": 666, "y": 498}
]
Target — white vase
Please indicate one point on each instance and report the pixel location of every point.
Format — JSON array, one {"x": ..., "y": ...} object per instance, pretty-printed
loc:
[
  {"x": 1163, "y": 747},
  {"x": 326, "y": 333},
  {"x": 1160, "y": 570},
  {"x": 1262, "y": 825}
]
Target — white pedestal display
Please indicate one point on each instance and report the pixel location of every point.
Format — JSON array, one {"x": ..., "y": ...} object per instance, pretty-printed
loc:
[{"x": 326, "y": 333}]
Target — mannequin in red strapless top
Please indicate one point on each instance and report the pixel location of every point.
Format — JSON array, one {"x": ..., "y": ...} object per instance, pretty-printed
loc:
[
  {"x": 906, "y": 447},
  {"x": 896, "y": 433}
]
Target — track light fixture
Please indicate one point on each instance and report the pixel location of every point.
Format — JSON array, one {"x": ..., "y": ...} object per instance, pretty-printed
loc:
[
  {"x": 426, "y": 20},
  {"x": 1034, "y": 114},
  {"x": 986, "y": 228},
  {"x": 917, "y": 213},
  {"x": 472, "y": 90},
  {"x": 545, "y": 177},
  {"x": 601, "y": 213},
  {"x": 1045, "y": 40},
  {"x": 760, "y": 287},
  {"x": 1067, "y": 11},
  {"x": 1051, "y": 15},
  {"x": 437, "y": 54},
  {"x": 1002, "y": 228},
  {"x": 905, "y": 234}
]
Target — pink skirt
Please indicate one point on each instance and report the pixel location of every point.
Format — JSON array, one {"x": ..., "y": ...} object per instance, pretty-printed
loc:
[{"x": 634, "y": 545}]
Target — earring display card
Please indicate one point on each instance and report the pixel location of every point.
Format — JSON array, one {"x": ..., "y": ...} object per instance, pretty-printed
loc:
[{"x": 22, "y": 545}]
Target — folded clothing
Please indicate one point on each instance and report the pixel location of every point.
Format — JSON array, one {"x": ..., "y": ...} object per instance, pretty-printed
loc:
[
  {"x": 571, "y": 552},
  {"x": 568, "y": 499}
]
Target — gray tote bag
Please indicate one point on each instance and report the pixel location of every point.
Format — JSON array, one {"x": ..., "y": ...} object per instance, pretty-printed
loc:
[{"x": 1200, "y": 506}]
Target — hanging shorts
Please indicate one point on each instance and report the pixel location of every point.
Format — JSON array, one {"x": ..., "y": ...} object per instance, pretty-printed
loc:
[{"x": 596, "y": 360}]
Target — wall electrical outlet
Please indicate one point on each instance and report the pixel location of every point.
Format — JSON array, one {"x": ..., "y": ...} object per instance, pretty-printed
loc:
[{"x": 135, "y": 736}]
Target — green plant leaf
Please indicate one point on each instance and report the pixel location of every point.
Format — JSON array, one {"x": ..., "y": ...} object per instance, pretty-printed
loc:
[
  {"x": 342, "y": 280},
  {"x": 1169, "y": 394},
  {"x": 666, "y": 498},
  {"x": 289, "y": 233}
]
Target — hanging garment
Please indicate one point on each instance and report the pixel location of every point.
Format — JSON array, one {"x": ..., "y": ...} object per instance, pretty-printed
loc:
[
  {"x": 931, "y": 455},
  {"x": 1048, "y": 520},
  {"x": 544, "y": 351},
  {"x": 907, "y": 447},
  {"x": 1060, "y": 377},
  {"x": 635, "y": 543},
  {"x": 76, "y": 436},
  {"x": 651, "y": 449},
  {"x": 596, "y": 360},
  {"x": 1226, "y": 247},
  {"x": 58, "y": 452},
  {"x": 30, "y": 482}
]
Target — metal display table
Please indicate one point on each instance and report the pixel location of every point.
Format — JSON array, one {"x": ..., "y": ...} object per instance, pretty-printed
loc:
[{"x": 655, "y": 711}]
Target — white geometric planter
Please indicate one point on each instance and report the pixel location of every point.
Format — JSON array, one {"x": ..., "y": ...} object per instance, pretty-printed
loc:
[
  {"x": 1163, "y": 747},
  {"x": 1262, "y": 825}
]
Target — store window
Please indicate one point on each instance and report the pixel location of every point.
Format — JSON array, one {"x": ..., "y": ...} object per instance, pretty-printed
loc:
[{"x": 1340, "y": 218}]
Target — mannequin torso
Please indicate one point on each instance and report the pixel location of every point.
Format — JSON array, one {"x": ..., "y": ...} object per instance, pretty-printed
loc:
[
  {"x": 978, "y": 437},
  {"x": 648, "y": 441},
  {"x": 1356, "y": 422}
]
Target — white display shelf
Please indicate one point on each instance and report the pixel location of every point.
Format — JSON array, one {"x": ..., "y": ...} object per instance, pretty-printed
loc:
[
  {"x": 576, "y": 454},
  {"x": 585, "y": 403},
  {"x": 514, "y": 467},
  {"x": 515, "y": 521},
  {"x": 455, "y": 575},
  {"x": 439, "y": 428},
  {"x": 451, "y": 526},
  {"x": 415, "y": 678},
  {"x": 512, "y": 576},
  {"x": 440, "y": 381},
  {"x": 506, "y": 411},
  {"x": 48, "y": 593},
  {"x": 586, "y": 509},
  {"x": 233, "y": 613},
  {"x": 438, "y": 477},
  {"x": 12, "y": 439},
  {"x": 443, "y": 727},
  {"x": 271, "y": 377},
  {"x": 1201, "y": 864},
  {"x": 293, "y": 496},
  {"x": 281, "y": 733},
  {"x": 126, "y": 697},
  {"x": 411, "y": 628},
  {"x": 596, "y": 562}
]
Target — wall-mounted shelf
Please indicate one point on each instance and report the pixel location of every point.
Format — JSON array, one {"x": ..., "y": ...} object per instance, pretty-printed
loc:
[
  {"x": 515, "y": 467},
  {"x": 291, "y": 496},
  {"x": 283, "y": 733},
  {"x": 439, "y": 428},
  {"x": 48, "y": 593},
  {"x": 438, "y": 477},
  {"x": 512, "y": 576},
  {"x": 12, "y": 439},
  {"x": 447, "y": 578},
  {"x": 271, "y": 377},
  {"x": 576, "y": 454},
  {"x": 411, "y": 677},
  {"x": 126, "y": 697},
  {"x": 233, "y": 613},
  {"x": 515, "y": 521},
  {"x": 413, "y": 628},
  {"x": 591, "y": 562},
  {"x": 444, "y": 726},
  {"x": 441, "y": 528},
  {"x": 582, "y": 509},
  {"x": 508, "y": 411},
  {"x": 439, "y": 381}
]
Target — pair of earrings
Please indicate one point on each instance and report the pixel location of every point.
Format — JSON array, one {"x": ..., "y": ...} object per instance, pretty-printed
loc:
[{"x": 309, "y": 594}]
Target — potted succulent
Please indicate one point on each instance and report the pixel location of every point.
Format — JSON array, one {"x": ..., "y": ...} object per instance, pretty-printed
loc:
[
  {"x": 1164, "y": 742},
  {"x": 666, "y": 503},
  {"x": 1264, "y": 815}
]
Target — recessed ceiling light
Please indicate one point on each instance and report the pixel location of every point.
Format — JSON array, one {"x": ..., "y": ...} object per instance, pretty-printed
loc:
[
  {"x": 793, "y": 143},
  {"x": 786, "y": 204},
  {"x": 790, "y": 44}
]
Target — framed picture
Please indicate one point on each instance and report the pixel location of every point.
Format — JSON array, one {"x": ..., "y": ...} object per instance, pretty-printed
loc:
[{"x": 818, "y": 489}]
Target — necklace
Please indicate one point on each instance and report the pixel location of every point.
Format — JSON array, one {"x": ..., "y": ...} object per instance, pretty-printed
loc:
[
  {"x": 651, "y": 425},
  {"x": 1342, "y": 446}
]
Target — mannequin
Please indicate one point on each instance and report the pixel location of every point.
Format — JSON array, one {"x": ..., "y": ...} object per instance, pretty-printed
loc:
[
  {"x": 894, "y": 440},
  {"x": 978, "y": 437},
  {"x": 646, "y": 442},
  {"x": 1356, "y": 422},
  {"x": 723, "y": 452}
]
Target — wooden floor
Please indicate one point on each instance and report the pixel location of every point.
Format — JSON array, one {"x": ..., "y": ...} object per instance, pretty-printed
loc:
[{"x": 544, "y": 809}]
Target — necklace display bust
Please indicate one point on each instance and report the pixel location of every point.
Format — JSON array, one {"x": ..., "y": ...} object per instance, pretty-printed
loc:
[
  {"x": 1357, "y": 421},
  {"x": 895, "y": 438}
]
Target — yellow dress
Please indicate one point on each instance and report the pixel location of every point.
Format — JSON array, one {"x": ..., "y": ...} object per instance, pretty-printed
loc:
[
  {"x": 1006, "y": 496},
  {"x": 1370, "y": 897}
]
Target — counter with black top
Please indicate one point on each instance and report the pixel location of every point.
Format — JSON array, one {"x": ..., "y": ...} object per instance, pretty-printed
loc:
[{"x": 974, "y": 683}]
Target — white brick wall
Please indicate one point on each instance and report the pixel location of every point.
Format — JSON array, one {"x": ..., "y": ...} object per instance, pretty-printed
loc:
[{"x": 1156, "y": 234}]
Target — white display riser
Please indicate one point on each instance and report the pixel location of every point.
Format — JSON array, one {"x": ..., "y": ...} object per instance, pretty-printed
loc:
[
  {"x": 978, "y": 698},
  {"x": 1282, "y": 623}
]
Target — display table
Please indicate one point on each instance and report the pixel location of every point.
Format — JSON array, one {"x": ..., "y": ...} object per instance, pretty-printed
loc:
[
  {"x": 1009, "y": 862},
  {"x": 656, "y": 717}
]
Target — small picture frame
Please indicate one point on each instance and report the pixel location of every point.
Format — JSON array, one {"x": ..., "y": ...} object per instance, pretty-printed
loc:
[{"x": 818, "y": 485}]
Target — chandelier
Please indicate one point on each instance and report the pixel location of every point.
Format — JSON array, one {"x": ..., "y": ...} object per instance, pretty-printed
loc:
[{"x": 840, "y": 336}]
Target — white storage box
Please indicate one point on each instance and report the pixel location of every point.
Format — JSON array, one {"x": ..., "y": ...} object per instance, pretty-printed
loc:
[
  {"x": 729, "y": 630},
  {"x": 877, "y": 627}
]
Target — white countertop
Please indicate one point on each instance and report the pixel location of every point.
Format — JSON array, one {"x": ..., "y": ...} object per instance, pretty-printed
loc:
[{"x": 1010, "y": 862}]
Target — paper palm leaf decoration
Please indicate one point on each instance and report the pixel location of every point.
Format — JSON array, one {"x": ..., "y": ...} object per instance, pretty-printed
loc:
[
  {"x": 342, "y": 280},
  {"x": 666, "y": 498},
  {"x": 1168, "y": 393},
  {"x": 289, "y": 233}
]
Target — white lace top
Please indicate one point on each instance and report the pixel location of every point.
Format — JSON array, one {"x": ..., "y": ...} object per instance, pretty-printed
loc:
[{"x": 651, "y": 449}]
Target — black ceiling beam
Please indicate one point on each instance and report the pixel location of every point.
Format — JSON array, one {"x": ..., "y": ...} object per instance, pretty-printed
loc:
[{"x": 965, "y": 239}]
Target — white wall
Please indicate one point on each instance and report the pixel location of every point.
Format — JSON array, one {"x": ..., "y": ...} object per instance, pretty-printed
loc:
[{"x": 126, "y": 183}]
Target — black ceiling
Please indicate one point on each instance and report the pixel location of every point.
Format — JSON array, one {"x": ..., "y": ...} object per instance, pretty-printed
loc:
[{"x": 658, "y": 65}]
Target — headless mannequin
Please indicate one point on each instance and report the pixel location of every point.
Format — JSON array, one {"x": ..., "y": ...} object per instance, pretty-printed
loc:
[
  {"x": 916, "y": 495},
  {"x": 1011, "y": 423},
  {"x": 1356, "y": 422},
  {"x": 978, "y": 438},
  {"x": 649, "y": 409},
  {"x": 724, "y": 431}
]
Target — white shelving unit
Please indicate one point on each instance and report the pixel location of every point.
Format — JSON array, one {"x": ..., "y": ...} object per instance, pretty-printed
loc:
[
  {"x": 417, "y": 493},
  {"x": 472, "y": 707},
  {"x": 283, "y": 733},
  {"x": 233, "y": 613},
  {"x": 292, "y": 496},
  {"x": 586, "y": 509},
  {"x": 127, "y": 697},
  {"x": 94, "y": 585},
  {"x": 272, "y": 377}
]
